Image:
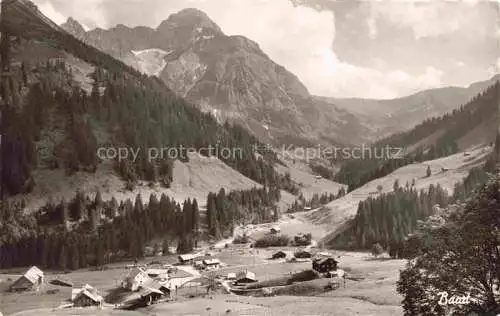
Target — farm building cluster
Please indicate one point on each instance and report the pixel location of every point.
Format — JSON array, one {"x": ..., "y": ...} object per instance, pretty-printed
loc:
[
  {"x": 140, "y": 285},
  {"x": 206, "y": 262},
  {"x": 34, "y": 279}
]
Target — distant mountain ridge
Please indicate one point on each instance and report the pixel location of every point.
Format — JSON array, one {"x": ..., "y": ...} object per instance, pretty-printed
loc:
[
  {"x": 400, "y": 114},
  {"x": 473, "y": 125},
  {"x": 233, "y": 78},
  {"x": 229, "y": 76}
]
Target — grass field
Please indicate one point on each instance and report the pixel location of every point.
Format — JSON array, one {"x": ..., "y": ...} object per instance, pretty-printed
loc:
[
  {"x": 273, "y": 306},
  {"x": 372, "y": 294},
  {"x": 78, "y": 312}
]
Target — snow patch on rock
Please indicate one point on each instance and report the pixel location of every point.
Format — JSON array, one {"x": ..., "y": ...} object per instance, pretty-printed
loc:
[{"x": 151, "y": 61}]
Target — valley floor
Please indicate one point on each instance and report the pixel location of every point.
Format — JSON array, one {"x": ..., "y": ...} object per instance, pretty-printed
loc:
[{"x": 369, "y": 289}]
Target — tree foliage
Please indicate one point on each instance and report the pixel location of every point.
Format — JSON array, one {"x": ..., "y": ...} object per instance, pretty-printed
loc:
[
  {"x": 456, "y": 251},
  {"x": 388, "y": 218},
  {"x": 377, "y": 250}
]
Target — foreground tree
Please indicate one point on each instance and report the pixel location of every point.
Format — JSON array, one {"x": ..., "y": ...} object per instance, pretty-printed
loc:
[
  {"x": 377, "y": 250},
  {"x": 456, "y": 251},
  {"x": 428, "y": 172}
]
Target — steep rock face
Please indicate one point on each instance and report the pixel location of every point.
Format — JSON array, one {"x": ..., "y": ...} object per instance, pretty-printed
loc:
[
  {"x": 181, "y": 74},
  {"x": 227, "y": 75}
]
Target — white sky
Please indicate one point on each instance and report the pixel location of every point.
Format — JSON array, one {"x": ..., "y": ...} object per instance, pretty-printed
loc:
[{"x": 369, "y": 49}]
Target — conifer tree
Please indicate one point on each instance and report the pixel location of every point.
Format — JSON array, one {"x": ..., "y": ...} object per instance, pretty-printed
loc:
[{"x": 63, "y": 257}]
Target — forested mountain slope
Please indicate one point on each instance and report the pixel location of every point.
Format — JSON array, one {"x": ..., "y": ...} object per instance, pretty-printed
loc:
[
  {"x": 446, "y": 172},
  {"x": 63, "y": 101},
  {"x": 473, "y": 124},
  {"x": 123, "y": 108}
]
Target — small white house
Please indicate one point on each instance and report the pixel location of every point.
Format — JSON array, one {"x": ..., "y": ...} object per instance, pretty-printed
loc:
[
  {"x": 275, "y": 230},
  {"x": 186, "y": 259},
  {"x": 211, "y": 263},
  {"x": 135, "y": 279},
  {"x": 33, "y": 279},
  {"x": 231, "y": 276},
  {"x": 86, "y": 296},
  {"x": 246, "y": 277}
]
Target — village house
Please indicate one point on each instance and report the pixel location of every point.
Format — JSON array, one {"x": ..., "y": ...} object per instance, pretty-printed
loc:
[
  {"x": 231, "y": 276},
  {"x": 324, "y": 265},
  {"x": 32, "y": 280},
  {"x": 211, "y": 263},
  {"x": 152, "y": 291},
  {"x": 246, "y": 277},
  {"x": 186, "y": 259},
  {"x": 135, "y": 279},
  {"x": 87, "y": 296}
]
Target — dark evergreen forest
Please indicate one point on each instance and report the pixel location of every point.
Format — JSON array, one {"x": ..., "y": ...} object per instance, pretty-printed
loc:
[{"x": 389, "y": 218}]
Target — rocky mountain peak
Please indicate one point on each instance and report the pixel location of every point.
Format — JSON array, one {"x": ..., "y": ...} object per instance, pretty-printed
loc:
[
  {"x": 74, "y": 27},
  {"x": 190, "y": 18},
  {"x": 231, "y": 75}
]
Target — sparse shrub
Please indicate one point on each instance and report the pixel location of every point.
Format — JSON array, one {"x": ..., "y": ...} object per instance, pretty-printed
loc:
[
  {"x": 303, "y": 239},
  {"x": 301, "y": 254},
  {"x": 272, "y": 241},
  {"x": 54, "y": 291},
  {"x": 130, "y": 186},
  {"x": 243, "y": 239},
  {"x": 377, "y": 250},
  {"x": 306, "y": 275}
]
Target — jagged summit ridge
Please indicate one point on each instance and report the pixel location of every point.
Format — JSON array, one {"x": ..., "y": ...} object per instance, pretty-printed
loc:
[
  {"x": 74, "y": 27},
  {"x": 189, "y": 18}
]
